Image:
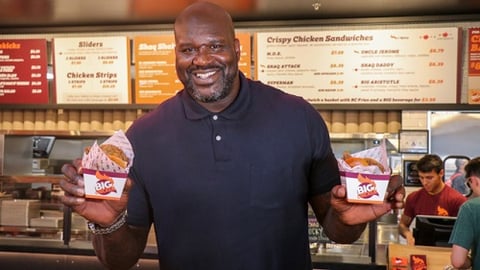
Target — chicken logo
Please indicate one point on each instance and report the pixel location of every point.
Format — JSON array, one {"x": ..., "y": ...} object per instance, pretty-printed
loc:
[
  {"x": 441, "y": 211},
  {"x": 367, "y": 188},
  {"x": 418, "y": 263},
  {"x": 105, "y": 184}
]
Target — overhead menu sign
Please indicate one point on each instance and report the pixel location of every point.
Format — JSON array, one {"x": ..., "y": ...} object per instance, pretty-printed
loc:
[
  {"x": 92, "y": 70},
  {"x": 155, "y": 74},
  {"x": 474, "y": 66},
  {"x": 23, "y": 71},
  {"x": 245, "y": 63},
  {"x": 362, "y": 66}
]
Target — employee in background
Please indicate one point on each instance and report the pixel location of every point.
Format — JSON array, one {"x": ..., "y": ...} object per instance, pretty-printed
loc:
[
  {"x": 465, "y": 237},
  {"x": 224, "y": 170},
  {"x": 434, "y": 198},
  {"x": 458, "y": 181}
]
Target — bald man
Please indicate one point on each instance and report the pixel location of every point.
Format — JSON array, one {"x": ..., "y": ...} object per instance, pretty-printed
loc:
[{"x": 224, "y": 170}]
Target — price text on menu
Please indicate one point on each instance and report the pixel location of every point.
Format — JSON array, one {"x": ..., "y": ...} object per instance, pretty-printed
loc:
[
  {"x": 369, "y": 66},
  {"x": 23, "y": 71},
  {"x": 92, "y": 70},
  {"x": 474, "y": 65}
]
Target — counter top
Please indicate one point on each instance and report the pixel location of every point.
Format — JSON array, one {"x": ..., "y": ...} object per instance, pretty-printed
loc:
[
  {"x": 437, "y": 257},
  {"x": 56, "y": 246}
]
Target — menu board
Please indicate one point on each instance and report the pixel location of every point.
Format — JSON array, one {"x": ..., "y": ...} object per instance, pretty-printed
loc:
[
  {"x": 92, "y": 70},
  {"x": 245, "y": 63},
  {"x": 362, "y": 66},
  {"x": 155, "y": 75},
  {"x": 474, "y": 66},
  {"x": 23, "y": 71}
]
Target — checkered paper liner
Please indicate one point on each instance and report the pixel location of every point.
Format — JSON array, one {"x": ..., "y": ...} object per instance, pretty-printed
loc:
[{"x": 96, "y": 159}]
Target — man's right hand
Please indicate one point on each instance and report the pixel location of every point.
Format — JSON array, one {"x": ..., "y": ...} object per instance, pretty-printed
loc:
[{"x": 101, "y": 212}]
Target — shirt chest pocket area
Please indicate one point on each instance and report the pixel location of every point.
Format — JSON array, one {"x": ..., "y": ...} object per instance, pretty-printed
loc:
[{"x": 271, "y": 187}]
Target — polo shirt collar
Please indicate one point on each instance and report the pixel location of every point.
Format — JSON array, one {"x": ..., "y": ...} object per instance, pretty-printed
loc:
[{"x": 236, "y": 110}]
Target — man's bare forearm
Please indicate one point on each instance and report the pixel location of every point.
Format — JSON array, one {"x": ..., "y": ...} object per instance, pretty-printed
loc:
[
  {"x": 340, "y": 232},
  {"x": 122, "y": 248},
  {"x": 333, "y": 227},
  {"x": 403, "y": 230}
]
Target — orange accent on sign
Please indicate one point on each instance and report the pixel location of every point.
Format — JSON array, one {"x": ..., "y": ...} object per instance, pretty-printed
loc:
[
  {"x": 155, "y": 75},
  {"x": 244, "y": 64}
]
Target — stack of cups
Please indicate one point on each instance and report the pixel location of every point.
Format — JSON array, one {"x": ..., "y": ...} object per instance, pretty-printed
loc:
[
  {"x": 7, "y": 120},
  {"x": 365, "y": 119},
  {"x": 118, "y": 120},
  {"x": 351, "y": 122},
  {"x": 28, "y": 120},
  {"x": 394, "y": 122},
  {"x": 74, "y": 120},
  {"x": 17, "y": 119},
  {"x": 380, "y": 121},
  {"x": 62, "y": 120},
  {"x": 84, "y": 120},
  {"x": 39, "y": 120},
  {"x": 327, "y": 118},
  {"x": 96, "y": 120},
  {"x": 50, "y": 120},
  {"x": 338, "y": 122},
  {"x": 108, "y": 120}
]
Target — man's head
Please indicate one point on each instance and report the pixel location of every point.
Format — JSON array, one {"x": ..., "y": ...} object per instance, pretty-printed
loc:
[
  {"x": 207, "y": 53},
  {"x": 460, "y": 164},
  {"x": 430, "y": 172},
  {"x": 472, "y": 174}
]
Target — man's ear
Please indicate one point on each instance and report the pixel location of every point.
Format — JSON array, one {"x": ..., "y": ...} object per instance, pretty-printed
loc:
[
  {"x": 237, "y": 48},
  {"x": 441, "y": 173}
]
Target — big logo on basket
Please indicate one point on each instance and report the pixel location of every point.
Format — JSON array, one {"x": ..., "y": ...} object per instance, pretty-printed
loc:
[
  {"x": 367, "y": 187},
  {"x": 105, "y": 184}
]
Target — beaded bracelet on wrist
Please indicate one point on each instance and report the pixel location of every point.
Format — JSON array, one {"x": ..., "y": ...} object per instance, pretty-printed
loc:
[{"x": 97, "y": 229}]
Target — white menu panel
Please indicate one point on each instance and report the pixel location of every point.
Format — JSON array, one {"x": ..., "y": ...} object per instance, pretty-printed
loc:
[
  {"x": 363, "y": 66},
  {"x": 92, "y": 70}
]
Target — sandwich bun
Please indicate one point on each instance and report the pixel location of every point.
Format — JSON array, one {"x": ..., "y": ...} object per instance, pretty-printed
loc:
[{"x": 114, "y": 153}]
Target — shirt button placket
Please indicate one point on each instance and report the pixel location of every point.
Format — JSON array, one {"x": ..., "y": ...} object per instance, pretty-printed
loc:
[
  {"x": 218, "y": 137},
  {"x": 219, "y": 146}
]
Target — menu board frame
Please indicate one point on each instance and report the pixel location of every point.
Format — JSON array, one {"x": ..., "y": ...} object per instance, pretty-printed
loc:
[
  {"x": 92, "y": 70},
  {"x": 410, "y": 173},
  {"x": 23, "y": 71},
  {"x": 413, "y": 141},
  {"x": 371, "y": 66}
]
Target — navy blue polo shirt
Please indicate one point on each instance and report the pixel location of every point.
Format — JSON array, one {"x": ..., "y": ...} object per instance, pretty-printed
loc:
[{"x": 229, "y": 190}]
